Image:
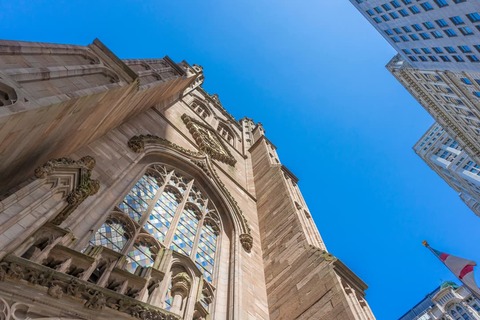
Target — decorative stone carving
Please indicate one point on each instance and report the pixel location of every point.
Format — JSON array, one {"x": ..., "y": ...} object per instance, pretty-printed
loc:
[
  {"x": 5, "y": 311},
  {"x": 137, "y": 144},
  {"x": 208, "y": 141},
  {"x": 203, "y": 165},
  {"x": 96, "y": 301},
  {"x": 247, "y": 242},
  {"x": 48, "y": 168},
  {"x": 181, "y": 284},
  {"x": 85, "y": 188},
  {"x": 324, "y": 254},
  {"x": 55, "y": 291},
  {"x": 96, "y": 298}
]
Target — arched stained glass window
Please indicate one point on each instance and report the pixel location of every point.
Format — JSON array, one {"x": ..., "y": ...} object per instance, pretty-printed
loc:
[{"x": 164, "y": 209}]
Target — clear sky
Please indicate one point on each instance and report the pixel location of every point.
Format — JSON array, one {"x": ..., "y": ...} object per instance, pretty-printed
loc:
[{"x": 313, "y": 73}]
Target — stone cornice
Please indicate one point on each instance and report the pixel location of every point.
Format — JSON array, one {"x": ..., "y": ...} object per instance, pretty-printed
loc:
[
  {"x": 289, "y": 173},
  {"x": 439, "y": 114},
  {"x": 59, "y": 285},
  {"x": 349, "y": 276}
]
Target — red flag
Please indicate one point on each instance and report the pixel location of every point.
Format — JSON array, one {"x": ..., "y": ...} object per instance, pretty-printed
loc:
[{"x": 460, "y": 267}]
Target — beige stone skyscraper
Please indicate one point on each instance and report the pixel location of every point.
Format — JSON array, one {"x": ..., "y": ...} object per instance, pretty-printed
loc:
[{"x": 128, "y": 192}]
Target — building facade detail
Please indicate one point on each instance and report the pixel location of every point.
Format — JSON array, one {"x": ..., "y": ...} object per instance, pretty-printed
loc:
[
  {"x": 174, "y": 210},
  {"x": 431, "y": 35},
  {"x": 208, "y": 141},
  {"x": 447, "y": 97},
  {"x": 447, "y": 302},
  {"x": 445, "y": 156},
  {"x": 438, "y": 60},
  {"x": 137, "y": 144}
]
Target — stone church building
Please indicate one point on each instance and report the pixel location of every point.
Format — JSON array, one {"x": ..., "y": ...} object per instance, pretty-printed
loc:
[{"x": 129, "y": 192}]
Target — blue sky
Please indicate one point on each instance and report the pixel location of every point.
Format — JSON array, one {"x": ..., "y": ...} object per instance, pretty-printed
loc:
[{"x": 313, "y": 73}]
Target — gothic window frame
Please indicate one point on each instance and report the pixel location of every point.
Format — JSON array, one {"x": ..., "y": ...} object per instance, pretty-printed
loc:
[
  {"x": 226, "y": 133},
  {"x": 201, "y": 109},
  {"x": 139, "y": 226}
]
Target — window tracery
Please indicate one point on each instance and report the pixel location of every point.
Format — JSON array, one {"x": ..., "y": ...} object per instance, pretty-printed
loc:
[
  {"x": 200, "y": 109},
  {"x": 226, "y": 133},
  {"x": 166, "y": 209},
  {"x": 163, "y": 209}
]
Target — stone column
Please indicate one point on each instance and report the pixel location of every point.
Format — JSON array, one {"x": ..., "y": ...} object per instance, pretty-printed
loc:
[{"x": 181, "y": 284}]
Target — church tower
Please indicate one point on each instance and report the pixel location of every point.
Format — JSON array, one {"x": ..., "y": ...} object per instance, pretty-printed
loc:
[{"x": 128, "y": 192}]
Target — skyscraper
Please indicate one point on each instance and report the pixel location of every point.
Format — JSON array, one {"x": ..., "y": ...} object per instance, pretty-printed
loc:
[
  {"x": 433, "y": 34},
  {"x": 445, "y": 156},
  {"x": 438, "y": 60},
  {"x": 451, "y": 98},
  {"x": 129, "y": 192}
]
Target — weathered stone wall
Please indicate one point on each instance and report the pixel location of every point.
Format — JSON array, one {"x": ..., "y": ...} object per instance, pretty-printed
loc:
[
  {"x": 65, "y": 97},
  {"x": 301, "y": 279}
]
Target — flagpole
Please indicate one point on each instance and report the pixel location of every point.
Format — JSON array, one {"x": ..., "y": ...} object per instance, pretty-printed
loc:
[
  {"x": 425, "y": 244},
  {"x": 474, "y": 292}
]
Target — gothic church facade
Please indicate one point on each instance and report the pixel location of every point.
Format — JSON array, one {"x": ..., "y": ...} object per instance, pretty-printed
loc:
[{"x": 128, "y": 192}]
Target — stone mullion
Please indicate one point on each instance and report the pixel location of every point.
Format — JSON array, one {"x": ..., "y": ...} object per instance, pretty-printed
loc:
[
  {"x": 176, "y": 217},
  {"x": 145, "y": 216},
  {"x": 199, "y": 231}
]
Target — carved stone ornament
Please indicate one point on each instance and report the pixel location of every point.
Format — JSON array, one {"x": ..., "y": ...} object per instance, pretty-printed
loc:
[
  {"x": 93, "y": 297},
  {"x": 247, "y": 242},
  {"x": 86, "y": 186},
  {"x": 324, "y": 254},
  {"x": 208, "y": 141},
  {"x": 137, "y": 144},
  {"x": 181, "y": 284}
]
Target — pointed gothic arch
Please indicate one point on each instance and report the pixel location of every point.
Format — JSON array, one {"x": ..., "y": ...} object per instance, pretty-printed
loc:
[
  {"x": 225, "y": 130},
  {"x": 152, "y": 147}
]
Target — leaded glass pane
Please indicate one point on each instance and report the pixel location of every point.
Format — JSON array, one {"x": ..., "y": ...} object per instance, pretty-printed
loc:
[
  {"x": 185, "y": 233},
  {"x": 141, "y": 255},
  {"x": 162, "y": 215},
  {"x": 168, "y": 298},
  {"x": 136, "y": 201},
  {"x": 111, "y": 235},
  {"x": 205, "y": 257}
]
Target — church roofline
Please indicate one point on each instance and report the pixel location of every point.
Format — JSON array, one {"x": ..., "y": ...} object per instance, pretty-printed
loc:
[{"x": 175, "y": 66}]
